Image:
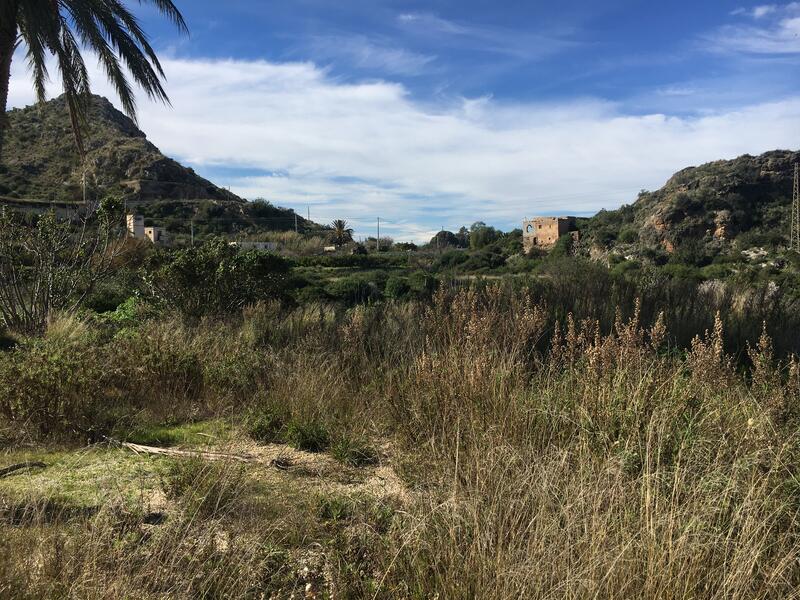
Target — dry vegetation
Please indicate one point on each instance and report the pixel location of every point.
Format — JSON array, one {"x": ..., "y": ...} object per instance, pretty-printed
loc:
[{"x": 523, "y": 462}]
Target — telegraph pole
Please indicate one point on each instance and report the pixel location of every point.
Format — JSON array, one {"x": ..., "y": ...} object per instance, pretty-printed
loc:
[
  {"x": 794, "y": 240},
  {"x": 295, "y": 222},
  {"x": 378, "y": 239},
  {"x": 191, "y": 224}
]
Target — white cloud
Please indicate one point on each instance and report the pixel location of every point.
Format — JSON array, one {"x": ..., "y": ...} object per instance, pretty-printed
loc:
[
  {"x": 764, "y": 10},
  {"x": 362, "y": 52},
  {"x": 522, "y": 46},
  {"x": 757, "y": 12},
  {"x": 362, "y": 150},
  {"x": 781, "y": 35}
]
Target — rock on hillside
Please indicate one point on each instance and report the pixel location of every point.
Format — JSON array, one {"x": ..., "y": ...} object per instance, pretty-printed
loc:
[
  {"x": 41, "y": 162},
  {"x": 715, "y": 204}
]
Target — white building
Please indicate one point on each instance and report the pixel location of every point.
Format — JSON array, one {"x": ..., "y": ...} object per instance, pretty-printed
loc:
[
  {"x": 245, "y": 245},
  {"x": 157, "y": 235},
  {"x": 135, "y": 226},
  {"x": 137, "y": 230}
]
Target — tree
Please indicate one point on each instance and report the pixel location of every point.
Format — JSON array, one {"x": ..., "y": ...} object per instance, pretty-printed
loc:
[
  {"x": 61, "y": 28},
  {"x": 52, "y": 265},
  {"x": 341, "y": 233},
  {"x": 481, "y": 235},
  {"x": 216, "y": 279},
  {"x": 445, "y": 239}
]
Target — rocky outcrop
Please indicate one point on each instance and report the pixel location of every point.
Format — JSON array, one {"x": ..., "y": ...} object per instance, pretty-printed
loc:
[
  {"x": 713, "y": 203},
  {"x": 41, "y": 162}
]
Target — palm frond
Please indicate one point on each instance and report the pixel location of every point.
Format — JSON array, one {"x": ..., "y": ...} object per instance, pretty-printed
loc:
[
  {"x": 65, "y": 27},
  {"x": 75, "y": 80},
  {"x": 168, "y": 9}
]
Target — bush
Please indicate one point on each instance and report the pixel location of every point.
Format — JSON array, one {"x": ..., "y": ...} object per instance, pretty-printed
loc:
[
  {"x": 205, "y": 488},
  {"x": 422, "y": 284},
  {"x": 355, "y": 289},
  {"x": 265, "y": 425},
  {"x": 397, "y": 287},
  {"x": 354, "y": 452},
  {"x": 451, "y": 259},
  {"x": 311, "y": 436},
  {"x": 216, "y": 279},
  {"x": 54, "y": 385},
  {"x": 628, "y": 235}
]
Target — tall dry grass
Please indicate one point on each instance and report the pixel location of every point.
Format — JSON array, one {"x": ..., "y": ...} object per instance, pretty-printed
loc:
[{"x": 605, "y": 466}]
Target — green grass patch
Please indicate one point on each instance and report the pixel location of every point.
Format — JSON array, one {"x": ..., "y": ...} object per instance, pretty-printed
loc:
[
  {"x": 265, "y": 426},
  {"x": 79, "y": 478},
  {"x": 354, "y": 452},
  {"x": 201, "y": 433},
  {"x": 311, "y": 436}
]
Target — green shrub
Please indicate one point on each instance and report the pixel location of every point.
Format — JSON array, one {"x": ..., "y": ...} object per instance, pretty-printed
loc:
[
  {"x": 628, "y": 235},
  {"x": 310, "y": 293},
  {"x": 216, "y": 279},
  {"x": 205, "y": 488},
  {"x": 359, "y": 261},
  {"x": 54, "y": 385},
  {"x": 422, "y": 284},
  {"x": 451, "y": 259},
  {"x": 354, "y": 452},
  {"x": 265, "y": 426},
  {"x": 355, "y": 289},
  {"x": 397, "y": 287},
  {"x": 336, "y": 508},
  {"x": 311, "y": 436}
]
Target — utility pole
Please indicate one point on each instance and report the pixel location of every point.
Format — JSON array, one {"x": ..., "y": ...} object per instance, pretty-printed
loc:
[
  {"x": 794, "y": 240},
  {"x": 308, "y": 212},
  {"x": 191, "y": 225},
  {"x": 295, "y": 222},
  {"x": 378, "y": 239}
]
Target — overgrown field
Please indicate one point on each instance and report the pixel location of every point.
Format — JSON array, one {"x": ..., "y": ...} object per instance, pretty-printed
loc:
[{"x": 473, "y": 446}]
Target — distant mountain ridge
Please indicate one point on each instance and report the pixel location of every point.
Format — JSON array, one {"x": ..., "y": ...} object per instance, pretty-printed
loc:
[{"x": 40, "y": 160}]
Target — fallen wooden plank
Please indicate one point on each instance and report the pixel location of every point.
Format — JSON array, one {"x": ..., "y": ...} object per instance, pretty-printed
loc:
[
  {"x": 140, "y": 449},
  {"x": 19, "y": 466}
]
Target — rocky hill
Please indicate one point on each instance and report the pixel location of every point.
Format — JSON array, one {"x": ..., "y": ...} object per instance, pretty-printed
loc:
[
  {"x": 41, "y": 165},
  {"x": 41, "y": 162},
  {"x": 720, "y": 206}
]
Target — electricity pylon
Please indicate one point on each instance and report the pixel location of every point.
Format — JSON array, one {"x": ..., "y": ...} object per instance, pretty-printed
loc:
[{"x": 794, "y": 240}]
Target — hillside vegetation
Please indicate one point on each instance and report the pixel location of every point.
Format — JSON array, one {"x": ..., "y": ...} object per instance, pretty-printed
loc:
[
  {"x": 723, "y": 205},
  {"x": 41, "y": 163}
]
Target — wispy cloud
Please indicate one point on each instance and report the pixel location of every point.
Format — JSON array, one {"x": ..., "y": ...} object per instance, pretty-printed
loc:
[
  {"x": 513, "y": 43},
  {"x": 756, "y": 12},
  {"x": 364, "y": 53},
  {"x": 293, "y": 133},
  {"x": 775, "y": 30}
]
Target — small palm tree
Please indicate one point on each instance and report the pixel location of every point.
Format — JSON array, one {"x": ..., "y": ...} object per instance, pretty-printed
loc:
[
  {"x": 63, "y": 28},
  {"x": 340, "y": 232}
]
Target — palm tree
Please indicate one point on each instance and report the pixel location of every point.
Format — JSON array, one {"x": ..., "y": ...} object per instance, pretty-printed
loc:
[
  {"x": 341, "y": 233},
  {"x": 63, "y": 28}
]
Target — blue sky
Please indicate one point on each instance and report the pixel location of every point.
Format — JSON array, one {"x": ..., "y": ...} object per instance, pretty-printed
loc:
[{"x": 438, "y": 114}]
